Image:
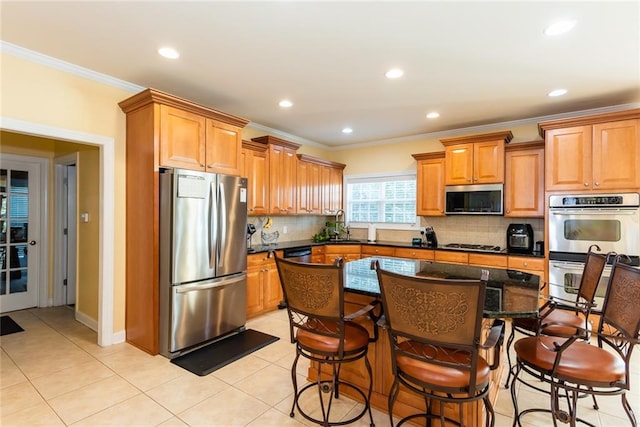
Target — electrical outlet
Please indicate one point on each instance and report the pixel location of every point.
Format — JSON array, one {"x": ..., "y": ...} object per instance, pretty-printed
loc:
[{"x": 284, "y": 230}]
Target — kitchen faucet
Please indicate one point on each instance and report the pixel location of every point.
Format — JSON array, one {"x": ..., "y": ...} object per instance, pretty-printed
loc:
[{"x": 337, "y": 226}]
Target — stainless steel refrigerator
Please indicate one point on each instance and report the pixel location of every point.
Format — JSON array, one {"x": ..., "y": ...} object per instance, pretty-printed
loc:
[{"x": 203, "y": 258}]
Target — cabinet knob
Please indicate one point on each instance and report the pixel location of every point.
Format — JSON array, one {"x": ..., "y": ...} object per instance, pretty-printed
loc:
[
  {"x": 525, "y": 264},
  {"x": 201, "y": 165},
  {"x": 586, "y": 184},
  {"x": 597, "y": 183}
]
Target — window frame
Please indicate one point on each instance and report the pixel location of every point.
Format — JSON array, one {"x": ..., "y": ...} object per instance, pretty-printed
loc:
[{"x": 412, "y": 174}]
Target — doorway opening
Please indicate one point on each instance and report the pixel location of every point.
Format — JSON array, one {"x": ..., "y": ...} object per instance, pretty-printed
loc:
[{"x": 65, "y": 235}]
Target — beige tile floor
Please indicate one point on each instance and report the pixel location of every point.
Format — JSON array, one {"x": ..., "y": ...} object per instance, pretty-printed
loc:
[{"x": 54, "y": 374}]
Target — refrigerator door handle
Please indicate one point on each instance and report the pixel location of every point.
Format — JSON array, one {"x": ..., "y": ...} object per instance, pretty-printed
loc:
[
  {"x": 222, "y": 211},
  {"x": 202, "y": 287},
  {"x": 213, "y": 226}
]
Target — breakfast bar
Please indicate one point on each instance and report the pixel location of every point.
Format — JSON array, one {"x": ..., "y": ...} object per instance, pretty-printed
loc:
[{"x": 510, "y": 294}]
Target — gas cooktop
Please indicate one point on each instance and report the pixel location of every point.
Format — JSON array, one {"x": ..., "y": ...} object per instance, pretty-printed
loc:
[{"x": 467, "y": 247}]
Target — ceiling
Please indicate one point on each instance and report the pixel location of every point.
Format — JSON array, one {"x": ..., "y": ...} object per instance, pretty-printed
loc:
[{"x": 476, "y": 62}]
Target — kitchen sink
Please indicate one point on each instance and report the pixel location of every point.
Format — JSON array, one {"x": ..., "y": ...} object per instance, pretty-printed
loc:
[{"x": 344, "y": 241}]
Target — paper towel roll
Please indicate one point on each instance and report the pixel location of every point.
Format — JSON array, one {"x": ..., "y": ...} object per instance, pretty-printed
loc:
[{"x": 371, "y": 235}]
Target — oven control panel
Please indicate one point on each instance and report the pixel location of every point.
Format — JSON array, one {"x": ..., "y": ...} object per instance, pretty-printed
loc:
[{"x": 599, "y": 200}]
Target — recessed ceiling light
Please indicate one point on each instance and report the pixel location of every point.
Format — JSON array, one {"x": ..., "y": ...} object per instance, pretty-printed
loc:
[
  {"x": 347, "y": 130},
  {"x": 557, "y": 92},
  {"x": 169, "y": 52},
  {"x": 394, "y": 73},
  {"x": 433, "y": 115},
  {"x": 285, "y": 103},
  {"x": 559, "y": 27}
]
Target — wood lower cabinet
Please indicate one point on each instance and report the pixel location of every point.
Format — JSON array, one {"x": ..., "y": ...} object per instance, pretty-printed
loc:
[
  {"x": 264, "y": 292},
  {"x": 318, "y": 254},
  {"x": 163, "y": 131},
  {"x": 524, "y": 180},
  {"x": 430, "y": 184},
  {"x": 593, "y": 153},
  {"x": 421, "y": 254},
  {"x": 475, "y": 159},
  {"x": 488, "y": 260},
  {"x": 373, "y": 250},
  {"x": 451, "y": 256},
  {"x": 350, "y": 252},
  {"x": 255, "y": 166}
]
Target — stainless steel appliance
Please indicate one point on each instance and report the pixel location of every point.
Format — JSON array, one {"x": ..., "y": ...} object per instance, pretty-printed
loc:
[
  {"x": 520, "y": 238},
  {"x": 480, "y": 199},
  {"x": 611, "y": 221},
  {"x": 203, "y": 258}
]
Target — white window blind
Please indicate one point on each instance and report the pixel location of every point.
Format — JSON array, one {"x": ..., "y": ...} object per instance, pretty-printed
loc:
[{"x": 381, "y": 199}]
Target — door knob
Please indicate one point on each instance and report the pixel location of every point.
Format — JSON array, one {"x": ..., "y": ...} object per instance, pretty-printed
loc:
[{"x": 32, "y": 243}]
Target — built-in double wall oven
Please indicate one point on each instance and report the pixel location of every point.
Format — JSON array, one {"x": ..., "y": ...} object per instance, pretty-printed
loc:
[{"x": 611, "y": 221}]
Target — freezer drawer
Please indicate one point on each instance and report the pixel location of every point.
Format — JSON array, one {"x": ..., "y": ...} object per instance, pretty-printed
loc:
[{"x": 203, "y": 311}]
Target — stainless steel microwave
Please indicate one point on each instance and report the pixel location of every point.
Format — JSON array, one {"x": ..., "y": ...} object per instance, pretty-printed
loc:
[{"x": 479, "y": 199}]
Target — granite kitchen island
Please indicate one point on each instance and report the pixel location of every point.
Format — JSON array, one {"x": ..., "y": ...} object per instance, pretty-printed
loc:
[{"x": 510, "y": 294}]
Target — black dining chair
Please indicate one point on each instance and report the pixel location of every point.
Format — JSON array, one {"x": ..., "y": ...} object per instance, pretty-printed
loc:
[
  {"x": 435, "y": 329},
  {"x": 572, "y": 367},
  {"x": 323, "y": 334},
  {"x": 562, "y": 316}
]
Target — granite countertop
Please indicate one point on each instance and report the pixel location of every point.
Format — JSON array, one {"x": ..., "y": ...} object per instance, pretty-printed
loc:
[
  {"x": 303, "y": 243},
  {"x": 509, "y": 293}
]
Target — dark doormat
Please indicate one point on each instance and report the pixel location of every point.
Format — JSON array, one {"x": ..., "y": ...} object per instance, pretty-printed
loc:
[
  {"x": 207, "y": 359},
  {"x": 8, "y": 326}
]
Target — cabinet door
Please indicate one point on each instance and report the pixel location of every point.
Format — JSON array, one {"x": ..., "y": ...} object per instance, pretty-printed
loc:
[
  {"x": 224, "y": 145},
  {"x": 272, "y": 288},
  {"x": 255, "y": 278},
  {"x": 423, "y": 254},
  {"x": 459, "y": 164},
  {"x": 182, "y": 139},
  {"x": 524, "y": 183},
  {"x": 568, "y": 158},
  {"x": 256, "y": 169},
  {"x": 331, "y": 184},
  {"x": 616, "y": 155},
  {"x": 309, "y": 190},
  {"x": 488, "y": 162},
  {"x": 282, "y": 180},
  {"x": 430, "y": 187}
]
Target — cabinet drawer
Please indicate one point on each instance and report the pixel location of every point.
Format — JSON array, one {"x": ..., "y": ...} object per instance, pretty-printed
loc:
[
  {"x": 377, "y": 250},
  {"x": 451, "y": 256},
  {"x": 525, "y": 263},
  {"x": 488, "y": 260},
  {"x": 342, "y": 249},
  {"x": 261, "y": 259},
  {"x": 427, "y": 254},
  {"x": 318, "y": 250}
]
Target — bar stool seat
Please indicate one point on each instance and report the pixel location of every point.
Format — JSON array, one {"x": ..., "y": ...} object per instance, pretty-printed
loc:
[{"x": 356, "y": 338}]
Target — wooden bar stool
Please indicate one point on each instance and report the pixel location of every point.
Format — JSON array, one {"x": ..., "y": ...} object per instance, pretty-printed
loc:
[
  {"x": 434, "y": 328},
  {"x": 322, "y": 333},
  {"x": 572, "y": 367}
]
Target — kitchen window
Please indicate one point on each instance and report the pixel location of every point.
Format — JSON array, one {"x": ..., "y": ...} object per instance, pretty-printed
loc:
[{"x": 389, "y": 200}]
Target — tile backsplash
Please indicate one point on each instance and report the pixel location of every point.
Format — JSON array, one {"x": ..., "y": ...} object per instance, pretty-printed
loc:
[{"x": 470, "y": 229}]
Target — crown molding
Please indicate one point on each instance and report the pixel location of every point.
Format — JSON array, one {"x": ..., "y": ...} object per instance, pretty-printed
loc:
[{"x": 58, "y": 64}]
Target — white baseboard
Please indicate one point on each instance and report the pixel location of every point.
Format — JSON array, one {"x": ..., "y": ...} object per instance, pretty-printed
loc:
[{"x": 89, "y": 322}]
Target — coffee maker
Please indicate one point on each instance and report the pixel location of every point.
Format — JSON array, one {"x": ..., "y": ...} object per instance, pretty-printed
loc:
[
  {"x": 520, "y": 238},
  {"x": 431, "y": 241}
]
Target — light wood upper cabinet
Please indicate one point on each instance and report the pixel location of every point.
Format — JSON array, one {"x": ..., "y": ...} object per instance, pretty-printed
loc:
[
  {"x": 309, "y": 196},
  {"x": 223, "y": 148},
  {"x": 524, "y": 180},
  {"x": 332, "y": 187},
  {"x": 192, "y": 141},
  {"x": 283, "y": 171},
  {"x": 430, "y": 184},
  {"x": 593, "y": 153},
  {"x": 475, "y": 159},
  {"x": 255, "y": 166},
  {"x": 182, "y": 139}
]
